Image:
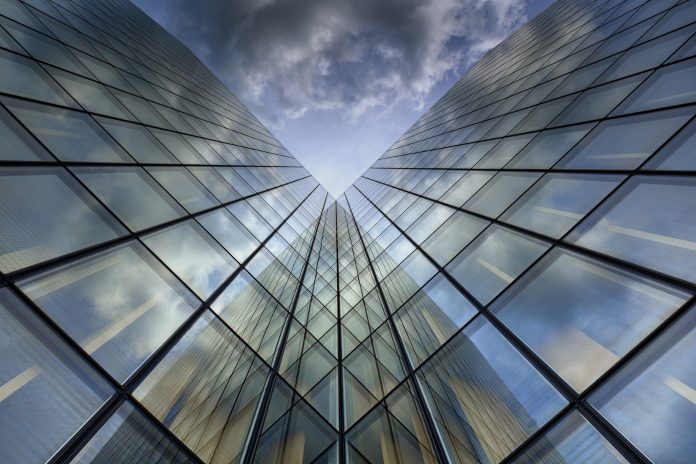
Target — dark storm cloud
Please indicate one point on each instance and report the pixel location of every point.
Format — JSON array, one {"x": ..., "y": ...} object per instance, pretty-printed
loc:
[{"x": 351, "y": 56}]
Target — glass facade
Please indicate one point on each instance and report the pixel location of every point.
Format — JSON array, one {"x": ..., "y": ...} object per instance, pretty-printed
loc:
[{"x": 511, "y": 281}]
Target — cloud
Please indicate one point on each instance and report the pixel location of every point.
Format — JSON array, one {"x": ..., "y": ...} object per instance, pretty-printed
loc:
[{"x": 354, "y": 57}]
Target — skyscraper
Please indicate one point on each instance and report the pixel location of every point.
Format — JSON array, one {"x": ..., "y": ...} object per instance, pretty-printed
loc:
[{"x": 512, "y": 281}]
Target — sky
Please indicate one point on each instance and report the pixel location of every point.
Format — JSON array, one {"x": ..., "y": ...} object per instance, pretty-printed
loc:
[{"x": 338, "y": 81}]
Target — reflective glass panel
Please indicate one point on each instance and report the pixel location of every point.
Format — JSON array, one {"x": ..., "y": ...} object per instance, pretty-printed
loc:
[
  {"x": 193, "y": 255},
  {"x": 46, "y": 391},
  {"x": 70, "y": 135},
  {"x": 206, "y": 390},
  {"x": 647, "y": 222},
  {"x": 485, "y": 397},
  {"x": 119, "y": 305},
  {"x": 558, "y": 201},
  {"x": 571, "y": 441},
  {"x": 127, "y": 438},
  {"x": 181, "y": 184},
  {"x": 132, "y": 195},
  {"x": 493, "y": 261},
  {"x": 578, "y": 332},
  {"x": 45, "y": 213},
  {"x": 652, "y": 401}
]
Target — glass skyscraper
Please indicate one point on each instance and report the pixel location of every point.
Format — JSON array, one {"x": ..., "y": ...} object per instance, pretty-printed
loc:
[{"x": 512, "y": 281}]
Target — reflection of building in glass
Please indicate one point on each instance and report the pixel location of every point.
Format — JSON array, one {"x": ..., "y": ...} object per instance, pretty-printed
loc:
[{"x": 511, "y": 281}]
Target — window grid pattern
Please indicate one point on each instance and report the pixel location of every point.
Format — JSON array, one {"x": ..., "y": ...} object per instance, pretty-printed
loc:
[{"x": 511, "y": 281}]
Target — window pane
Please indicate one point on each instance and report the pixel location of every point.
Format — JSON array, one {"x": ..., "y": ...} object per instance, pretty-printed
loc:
[
  {"x": 558, "y": 201},
  {"x": 92, "y": 96},
  {"x": 478, "y": 384},
  {"x": 47, "y": 214},
  {"x": 548, "y": 147},
  {"x": 252, "y": 313},
  {"x": 669, "y": 86},
  {"x": 120, "y": 306},
  {"x": 181, "y": 184},
  {"x": 500, "y": 192},
  {"x": 16, "y": 143},
  {"x": 648, "y": 222},
  {"x": 215, "y": 183},
  {"x": 138, "y": 142},
  {"x": 193, "y": 255},
  {"x": 433, "y": 315},
  {"x": 652, "y": 401},
  {"x": 211, "y": 379},
  {"x": 456, "y": 233},
  {"x": 625, "y": 143},
  {"x": 597, "y": 102},
  {"x": 504, "y": 151},
  {"x": 23, "y": 77},
  {"x": 678, "y": 154},
  {"x": 128, "y": 437},
  {"x": 571, "y": 441},
  {"x": 581, "y": 333},
  {"x": 176, "y": 144},
  {"x": 70, "y": 135},
  {"x": 132, "y": 194},
  {"x": 493, "y": 261},
  {"x": 46, "y": 391},
  {"x": 466, "y": 187},
  {"x": 230, "y": 233}
]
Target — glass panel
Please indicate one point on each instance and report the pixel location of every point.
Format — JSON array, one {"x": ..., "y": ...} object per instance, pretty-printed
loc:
[
  {"x": 597, "y": 102},
  {"x": 647, "y": 222},
  {"x": 652, "y": 401},
  {"x": 433, "y": 315},
  {"x": 70, "y": 135},
  {"x": 16, "y": 143},
  {"x": 120, "y": 305},
  {"x": 184, "y": 188},
  {"x": 46, "y": 391},
  {"x": 23, "y": 77},
  {"x": 485, "y": 397},
  {"x": 625, "y": 143},
  {"x": 581, "y": 333},
  {"x": 215, "y": 183},
  {"x": 571, "y": 441},
  {"x": 548, "y": 147},
  {"x": 47, "y": 214},
  {"x": 429, "y": 222},
  {"x": 452, "y": 236},
  {"x": 206, "y": 390},
  {"x": 230, "y": 233},
  {"x": 669, "y": 86},
  {"x": 176, "y": 144},
  {"x": 300, "y": 436},
  {"x": 391, "y": 434},
  {"x": 466, "y": 187},
  {"x": 559, "y": 201},
  {"x": 504, "y": 151},
  {"x": 92, "y": 96},
  {"x": 500, "y": 192},
  {"x": 128, "y": 437},
  {"x": 138, "y": 141},
  {"x": 132, "y": 195},
  {"x": 495, "y": 259},
  {"x": 252, "y": 313},
  {"x": 193, "y": 255},
  {"x": 678, "y": 154}
]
